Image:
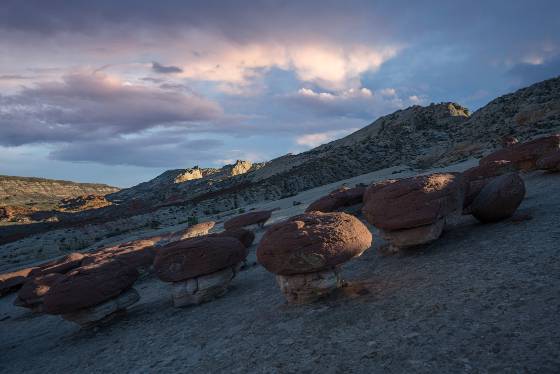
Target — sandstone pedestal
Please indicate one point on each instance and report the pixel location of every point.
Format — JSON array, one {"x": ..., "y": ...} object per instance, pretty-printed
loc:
[
  {"x": 412, "y": 237},
  {"x": 310, "y": 287},
  {"x": 104, "y": 312},
  {"x": 204, "y": 288}
]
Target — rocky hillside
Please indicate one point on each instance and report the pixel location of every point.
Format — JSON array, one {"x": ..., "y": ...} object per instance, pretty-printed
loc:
[
  {"x": 416, "y": 138},
  {"x": 174, "y": 185},
  {"x": 45, "y": 193}
]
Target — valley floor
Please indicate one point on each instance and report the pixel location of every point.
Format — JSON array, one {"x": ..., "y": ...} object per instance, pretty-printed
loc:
[{"x": 483, "y": 298}]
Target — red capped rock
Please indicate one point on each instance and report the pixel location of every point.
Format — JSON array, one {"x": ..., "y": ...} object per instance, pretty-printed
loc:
[
  {"x": 137, "y": 253},
  {"x": 550, "y": 161},
  {"x": 88, "y": 286},
  {"x": 312, "y": 242},
  {"x": 246, "y": 237},
  {"x": 413, "y": 202},
  {"x": 525, "y": 155},
  {"x": 479, "y": 176},
  {"x": 499, "y": 199},
  {"x": 248, "y": 219},
  {"x": 32, "y": 292},
  {"x": 60, "y": 266},
  {"x": 340, "y": 198},
  {"x": 11, "y": 282},
  {"x": 196, "y": 257}
]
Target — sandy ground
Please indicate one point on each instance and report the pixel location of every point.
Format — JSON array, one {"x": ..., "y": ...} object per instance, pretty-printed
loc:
[{"x": 483, "y": 298}]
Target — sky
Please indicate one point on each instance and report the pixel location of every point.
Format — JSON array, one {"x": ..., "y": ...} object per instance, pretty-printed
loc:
[{"x": 120, "y": 91}]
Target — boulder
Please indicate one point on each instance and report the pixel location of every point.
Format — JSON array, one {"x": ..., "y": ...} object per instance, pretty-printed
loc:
[
  {"x": 312, "y": 242},
  {"x": 550, "y": 161},
  {"x": 11, "y": 282},
  {"x": 248, "y": 219},
  {"x": 499, "y": 199},
  {"x": 195, "y": 257},
  {"x": 60, "y": 266},
  {"x": 105, "y": 311},
  {"x": 479, "y": 176},
  {"x": 88, "y": 286},
  {"x": 413, "y": 202},
  {"x": 340, "y": 198},
  {"x": 525, "y": 155},
  {"x": 139, "y": 254},
  {"x": 246, "y": 237},
  {"x": 32, "y": 292}
]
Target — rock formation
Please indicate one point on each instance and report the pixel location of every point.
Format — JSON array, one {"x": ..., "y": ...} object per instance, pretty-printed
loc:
[
  {"x": 414, "y": 211},
  {"x": 306, "y": 251},
  {"x": 337, "y": 199},
  {"x": 200, "y": 269},
  {"x": 81, "y": 294},
  {"x": 499, "y": 199},
  {"x": 550, "y": 161},
  {"x": 32, "y": 292},
  {"x": 45, "y": 193},
  {"x": 525, "y": 155},
  {"x": 255, "y": 219}
]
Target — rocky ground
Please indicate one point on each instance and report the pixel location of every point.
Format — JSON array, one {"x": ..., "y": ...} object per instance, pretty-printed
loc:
[{"x": 483, "y": 298}]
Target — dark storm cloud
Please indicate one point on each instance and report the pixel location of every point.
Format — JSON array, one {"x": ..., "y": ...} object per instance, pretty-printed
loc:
[
  {"x": 85, "y": 106},
  {"x": 162, "y": 69}
]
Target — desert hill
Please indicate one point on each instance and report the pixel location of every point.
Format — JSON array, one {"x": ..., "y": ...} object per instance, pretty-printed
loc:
[
  {"x": 45, "y": 193},
  {"x": 414, "y": 138}
]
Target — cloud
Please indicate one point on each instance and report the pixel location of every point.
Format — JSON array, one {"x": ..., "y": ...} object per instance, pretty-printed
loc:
[
  {"x": 85, "y": 106},
  {"x": 158, "y": 68},
  {"x": 147, "y": 151},
  {"x": 316, "y": 139},
  {"x": 526, "y": 73},
  {"x": 354, "y": 102}
]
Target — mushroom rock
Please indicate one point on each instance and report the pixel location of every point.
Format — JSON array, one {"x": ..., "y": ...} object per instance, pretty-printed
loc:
[
  {"x": 84, "y": 288},
  {"x": 13, "y": 281},
  {"x": 525, "y": 155},
  {"x": 138, "y": 254},
  {"x": 340, "y": 198},
  {"x": 31, "y": 293},
  {"x": 200, "y": 269},
  {"x": 396, "y": 206},
  {"x": 499, "y": 199},
  {"x": 306, "y": 251},
  {"x": 246, "y": 237},
  {"x": 550, "y": 161},
  {"x": 257, "y": 218},
  {"x": 60, "y": 266},
  {"x": 479, "y": 176}
]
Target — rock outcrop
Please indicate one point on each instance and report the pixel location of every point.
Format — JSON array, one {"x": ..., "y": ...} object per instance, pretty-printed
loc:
[
  {"x": 499, "y": 199},
  {"x": 45, "y": 193},
  {"x": 414, "y": 211},
  {"x": 89, "y": 286},
  {"x": 550, "y": 161},
  {"x": 199, "y": 268},
  {"x": 256, "y": 218},
  {"x": 306, "y": 251},
  {"x": 525, "y": 155},
  {"x": 338, "y": 199}
]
